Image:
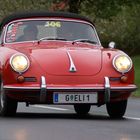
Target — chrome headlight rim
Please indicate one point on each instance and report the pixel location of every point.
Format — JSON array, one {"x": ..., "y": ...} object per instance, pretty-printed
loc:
[
  {"x": 122, "y": 71},
  {"x": 27, "y": 59}
]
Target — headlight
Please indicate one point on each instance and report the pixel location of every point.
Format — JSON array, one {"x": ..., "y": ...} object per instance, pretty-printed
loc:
[
  {"x": 19, "y": 62},
  {"x": 122, "y": 63}
]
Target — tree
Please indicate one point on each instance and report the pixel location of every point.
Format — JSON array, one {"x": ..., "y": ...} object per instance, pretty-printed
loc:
[
  {"x": 116, "y": 20},
  {"x": 66, "y": 5}
]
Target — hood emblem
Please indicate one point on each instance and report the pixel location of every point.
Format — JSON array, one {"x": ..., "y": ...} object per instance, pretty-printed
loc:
[{"x": 72, "y": 66}]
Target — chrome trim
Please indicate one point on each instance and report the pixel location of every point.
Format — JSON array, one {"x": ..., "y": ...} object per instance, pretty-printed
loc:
[
  {"x": 97, "y": 36},
  {"x": 111, "y": 45},
  {"x": 43, "y": 82},
  {"x": 91, "y": 88},
  {"x": 72, "y": 66},
  {"x": 43, "y": 89},
  {"x": 1, "y": 95},
  {"x": 26, "y": 88},
  {"x": 50, "y": 18},
  {"x": 107, "y": 90},
  {"x": 107, "y": 83},
  {"x": 125, "y": 88},
  {"x": 74, "y": 88},
  {"x": 131, "y": 87}
]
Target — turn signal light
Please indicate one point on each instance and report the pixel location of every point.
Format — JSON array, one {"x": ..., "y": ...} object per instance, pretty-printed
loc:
[
  {"x": 124, "y": 78},
  {"x": 20, "y": 79}
]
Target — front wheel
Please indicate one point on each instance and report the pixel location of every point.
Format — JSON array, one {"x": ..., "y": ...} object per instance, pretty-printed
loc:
[
  {"x": 116, "y": 109},
  {"x": 8, "y": 106},
  {"x": 82, "y": 109}
]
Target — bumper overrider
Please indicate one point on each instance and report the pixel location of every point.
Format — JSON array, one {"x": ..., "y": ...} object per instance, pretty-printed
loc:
[{"x": 43, "y": 89}]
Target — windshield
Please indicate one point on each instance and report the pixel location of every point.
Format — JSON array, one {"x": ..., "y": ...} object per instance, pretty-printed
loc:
[{"x": 30, "y": 30}]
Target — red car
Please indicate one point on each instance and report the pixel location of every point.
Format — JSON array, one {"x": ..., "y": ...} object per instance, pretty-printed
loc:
[{"x": 57, "y": 58}]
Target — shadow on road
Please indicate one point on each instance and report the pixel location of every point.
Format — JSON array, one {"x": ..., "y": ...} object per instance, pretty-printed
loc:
[{"x": 62, "y": 116}]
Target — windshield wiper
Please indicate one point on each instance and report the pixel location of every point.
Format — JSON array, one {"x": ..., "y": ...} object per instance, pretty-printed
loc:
[
  {"x": 51, "y": 38},
  {"x": 84, "y": 40}
]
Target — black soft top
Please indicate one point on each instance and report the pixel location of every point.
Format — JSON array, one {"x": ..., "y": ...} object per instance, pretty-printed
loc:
[{"x": 35, "y": 14}]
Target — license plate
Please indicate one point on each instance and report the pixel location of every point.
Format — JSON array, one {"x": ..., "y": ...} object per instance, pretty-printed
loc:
[{"x": 71, "y": 97}]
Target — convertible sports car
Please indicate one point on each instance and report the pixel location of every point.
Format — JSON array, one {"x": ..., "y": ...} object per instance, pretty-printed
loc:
[{"x": 57, "y": 58}]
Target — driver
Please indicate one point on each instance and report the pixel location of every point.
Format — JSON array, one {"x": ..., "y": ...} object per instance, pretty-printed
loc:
[{"x": 29, "y": 33}]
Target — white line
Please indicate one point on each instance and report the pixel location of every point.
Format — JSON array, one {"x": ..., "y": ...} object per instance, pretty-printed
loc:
[
  {"x": 63, "y": 109},
  {"x": 132, "y": 118},
  {"x": 52, "y": 108}
]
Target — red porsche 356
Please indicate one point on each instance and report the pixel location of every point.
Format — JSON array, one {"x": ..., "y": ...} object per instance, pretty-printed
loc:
[{"x": 57, "y": 58}]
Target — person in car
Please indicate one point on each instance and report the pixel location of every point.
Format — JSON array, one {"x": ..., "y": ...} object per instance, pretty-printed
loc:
[{"x": 29, "y": 34}]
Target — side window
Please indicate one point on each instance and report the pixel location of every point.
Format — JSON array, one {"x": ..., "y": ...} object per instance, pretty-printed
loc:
[
  {"x": 11, "y": 32},
  {"x": 1, "y": 35}
]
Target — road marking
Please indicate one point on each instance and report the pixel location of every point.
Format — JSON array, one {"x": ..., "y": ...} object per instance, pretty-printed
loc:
[
  {"x": 63, "y": 109},
  {"x": 132, "y": 118},
  {"x": 48, "y": 107}
]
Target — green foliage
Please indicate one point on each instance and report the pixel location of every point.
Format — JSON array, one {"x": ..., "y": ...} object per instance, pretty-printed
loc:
[
  {"x": 100, "y": 8},
  {"x": 10, "y": 6},
  {"x": 124, "y": 29},
  {"x": 74, "y": 6},
  {"x": 105, "y": 9},
  {"x": 116, "y": 20},
  {"x": 136, "y": 61}
]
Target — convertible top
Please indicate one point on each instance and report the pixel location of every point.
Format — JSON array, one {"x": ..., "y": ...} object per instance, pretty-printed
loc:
[{"x": 35, "y": 14}]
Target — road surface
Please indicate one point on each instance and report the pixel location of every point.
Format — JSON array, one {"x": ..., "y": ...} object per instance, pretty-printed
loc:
[{"x": 41, "y": 122}]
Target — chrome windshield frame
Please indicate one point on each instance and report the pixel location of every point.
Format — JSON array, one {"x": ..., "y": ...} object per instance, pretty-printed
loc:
[{"x": 54, "y": 19}]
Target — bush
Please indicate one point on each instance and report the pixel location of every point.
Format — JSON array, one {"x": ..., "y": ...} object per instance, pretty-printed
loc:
[{"x": 124, "y": 29}]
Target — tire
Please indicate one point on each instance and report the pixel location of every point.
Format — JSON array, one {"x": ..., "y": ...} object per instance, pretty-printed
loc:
[
  {"x": 8, "y": 106},
  {"x": 82, "y": 109},
  {"x": 116, "y": 109}
]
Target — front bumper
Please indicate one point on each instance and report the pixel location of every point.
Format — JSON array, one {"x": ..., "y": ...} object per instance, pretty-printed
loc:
[{"x": 42, "y": 90}]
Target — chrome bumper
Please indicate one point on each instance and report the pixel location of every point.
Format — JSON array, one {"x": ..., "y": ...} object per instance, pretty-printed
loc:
[
  {"x": 43, "y": 89},
  {"x": 107, "y": 89}
]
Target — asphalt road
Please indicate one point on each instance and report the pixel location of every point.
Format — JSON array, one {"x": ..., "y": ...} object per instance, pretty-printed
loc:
[{"x": 41, "y": 122}]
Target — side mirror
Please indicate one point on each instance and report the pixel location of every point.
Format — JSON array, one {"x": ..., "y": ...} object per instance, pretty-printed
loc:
[{"x": 112, "y": 45}]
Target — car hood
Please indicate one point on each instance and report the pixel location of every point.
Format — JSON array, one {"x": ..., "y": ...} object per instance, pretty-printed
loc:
[{"x": 66, "y": 60}]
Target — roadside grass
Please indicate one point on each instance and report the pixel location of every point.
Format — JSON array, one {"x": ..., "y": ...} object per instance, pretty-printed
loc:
[{"x": 136, "y": 61}]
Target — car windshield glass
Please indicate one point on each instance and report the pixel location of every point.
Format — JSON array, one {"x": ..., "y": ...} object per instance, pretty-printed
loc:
[{"x": 31, "y": 30}]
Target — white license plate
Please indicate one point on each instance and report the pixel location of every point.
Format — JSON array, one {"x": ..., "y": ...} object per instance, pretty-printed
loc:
[{"x": 74, "y": 97}]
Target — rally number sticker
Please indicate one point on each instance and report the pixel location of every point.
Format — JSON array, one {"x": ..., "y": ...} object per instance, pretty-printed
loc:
[{"x": 53, "y": 24}]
